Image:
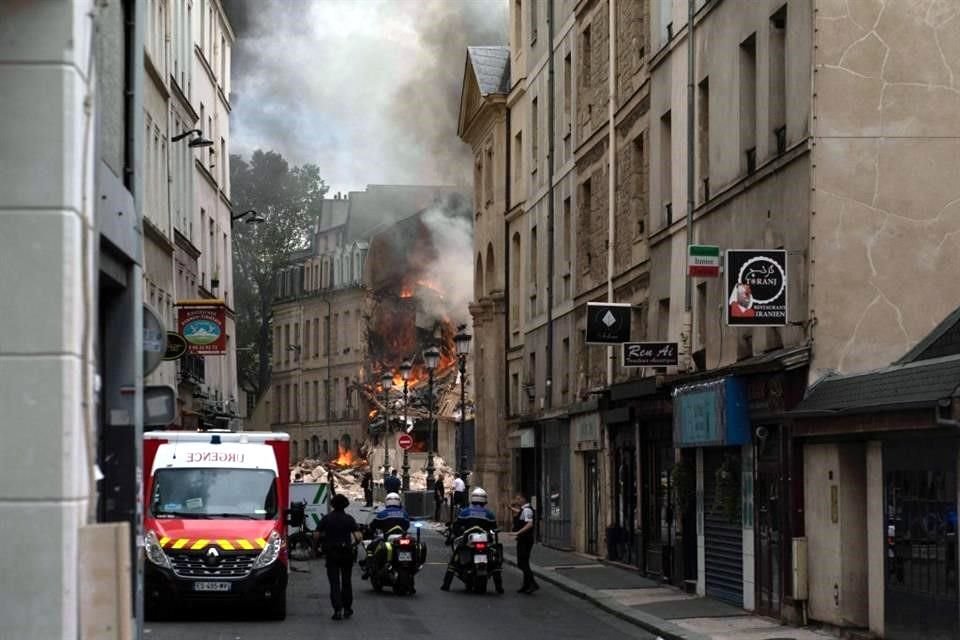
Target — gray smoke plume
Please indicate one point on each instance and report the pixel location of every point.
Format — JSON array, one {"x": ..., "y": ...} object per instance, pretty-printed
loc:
[
  {"x": 452, "y": 270},
  {"x": 369, "y": 90}
]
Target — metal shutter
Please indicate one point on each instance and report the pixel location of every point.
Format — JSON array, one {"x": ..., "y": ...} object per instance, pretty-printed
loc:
[{"x": 723, "y": 539}]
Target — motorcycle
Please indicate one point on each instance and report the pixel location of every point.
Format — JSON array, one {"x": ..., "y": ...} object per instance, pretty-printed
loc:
[
  {"x": 394, "y": 560},
  {"x": 477, "y": 556}
]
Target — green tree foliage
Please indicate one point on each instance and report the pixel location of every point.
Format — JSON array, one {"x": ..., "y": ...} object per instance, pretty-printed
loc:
[{"x": 289, "y": 198}]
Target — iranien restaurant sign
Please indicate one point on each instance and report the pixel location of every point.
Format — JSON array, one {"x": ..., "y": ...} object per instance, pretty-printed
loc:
[
  {"x": 203, "y": 324},
  {"x": 756, "y": 288}
]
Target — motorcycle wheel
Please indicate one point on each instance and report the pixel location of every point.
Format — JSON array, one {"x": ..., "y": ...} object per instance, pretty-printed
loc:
[{"x": 480, "y": 584}]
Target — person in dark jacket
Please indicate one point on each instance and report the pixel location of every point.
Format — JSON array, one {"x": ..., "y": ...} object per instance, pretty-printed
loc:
[
  {"x": 340, "y": 533},
  {"x": 392, "y": 483},
  {"x": 478, "y": 516},
  {"x": 438, "y": 498},
  {"x": 523, "y": 530},
  {"x": 367, "y": 485}
]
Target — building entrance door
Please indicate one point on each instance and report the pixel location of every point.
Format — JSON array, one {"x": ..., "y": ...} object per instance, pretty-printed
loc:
[
  {"x": 920, "y": 519},
  {"x": 657, "y": 459},
  {"x": 591, "y": 501},
  {"x": 769, "y": 509}
]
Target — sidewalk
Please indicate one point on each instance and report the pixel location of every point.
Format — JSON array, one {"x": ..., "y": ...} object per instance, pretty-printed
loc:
[{"x": 660, "y": 609}]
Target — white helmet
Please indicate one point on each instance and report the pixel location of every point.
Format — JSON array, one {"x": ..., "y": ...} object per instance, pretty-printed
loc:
[
  {"x": 392, "y": 500},
  {"x": 478, "y": 496}
]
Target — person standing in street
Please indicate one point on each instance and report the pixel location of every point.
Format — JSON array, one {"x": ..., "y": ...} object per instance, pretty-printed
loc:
[
  {"x": 523, "y": 529},
  {"x": 437, "y": 497},
  {"x": 367, "y": 485},
  {"x": 340, "y": 532},
  {"x": 459, "y": 492}
]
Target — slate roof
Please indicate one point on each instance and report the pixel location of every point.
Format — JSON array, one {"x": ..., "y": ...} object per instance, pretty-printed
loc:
[
  {"x": 491, "y": 66},
  {"x": 900, "y": 386}
]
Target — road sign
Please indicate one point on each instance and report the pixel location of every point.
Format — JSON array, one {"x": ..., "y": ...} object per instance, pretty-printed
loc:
[
  {"x": 703, "y": 261},
  {"x": 651, "y": 354},
  {"x": 405, "y": 441},
  {"x": 176, "y": 346},
  {"x": 608, "y": 323}
]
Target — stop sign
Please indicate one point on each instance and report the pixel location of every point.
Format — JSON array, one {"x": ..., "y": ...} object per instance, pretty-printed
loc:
[{"x": 405, "y": 441}]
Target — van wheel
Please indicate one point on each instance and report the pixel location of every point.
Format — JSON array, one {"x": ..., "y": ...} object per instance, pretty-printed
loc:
[{"x": 278, "y": 607}]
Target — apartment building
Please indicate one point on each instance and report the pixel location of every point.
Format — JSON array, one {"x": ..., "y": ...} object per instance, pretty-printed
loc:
[{"x": 817, "y": 129}]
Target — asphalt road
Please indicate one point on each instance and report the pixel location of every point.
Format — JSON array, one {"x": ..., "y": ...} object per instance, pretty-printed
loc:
[{"x": 431, "y": 613}]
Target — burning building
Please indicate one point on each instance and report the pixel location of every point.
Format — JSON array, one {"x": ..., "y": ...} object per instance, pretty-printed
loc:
[{"x": 358, "y": 301}]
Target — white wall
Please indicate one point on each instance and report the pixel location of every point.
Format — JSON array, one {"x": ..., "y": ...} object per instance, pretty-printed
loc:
[
  {"x": 46, "y": 367},
  {"x": 836, "y": 536}
]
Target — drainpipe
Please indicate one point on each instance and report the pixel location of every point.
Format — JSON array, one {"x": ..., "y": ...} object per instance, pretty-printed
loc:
[
  {"x": 506, "y": 272},
  {"x": 551, "y": 125},
  {"x": 612, "y": 170},
  {"x": 688, "y": 289}
]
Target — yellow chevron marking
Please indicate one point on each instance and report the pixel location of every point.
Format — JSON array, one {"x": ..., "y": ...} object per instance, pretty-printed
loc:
[
  {"x": 245, "y": 544},
  {"x": 163, "y": 541},
  {"x": 225, "y": 544},
  {"x": 200, "y": 544},
  {"x": 261, "y": 542},
  {"x": 181, "y": 543}
]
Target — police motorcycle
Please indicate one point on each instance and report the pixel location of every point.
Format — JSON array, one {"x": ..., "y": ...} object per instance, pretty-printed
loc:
[
  {"x": 477, "y": 552},
  {"x": 393, "y": 558}
]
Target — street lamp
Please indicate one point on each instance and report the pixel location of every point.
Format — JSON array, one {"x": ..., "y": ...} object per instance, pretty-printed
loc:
[
  {"x": 405, "y": 370},
  {"x": 431, "y": 358},
  {"x": 462, "y": 342},
  {"x": 256, "y": 218},
  {"x": 386, "y": 381},
  {"x": 198, "y": 141}
]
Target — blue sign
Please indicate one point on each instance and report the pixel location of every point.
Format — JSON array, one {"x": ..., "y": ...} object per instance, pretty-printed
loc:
[{"x": 711, "y": 414}]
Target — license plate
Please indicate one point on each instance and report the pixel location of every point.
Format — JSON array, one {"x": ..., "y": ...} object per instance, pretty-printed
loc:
[
  {"x": 211, "y": 586},
  {"x": 480, "y": 559},
  {"x": 405, "y": 556}
]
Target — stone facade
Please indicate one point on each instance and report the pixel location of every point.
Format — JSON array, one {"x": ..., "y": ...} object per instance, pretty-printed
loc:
[{"x": 886, "y": 134}]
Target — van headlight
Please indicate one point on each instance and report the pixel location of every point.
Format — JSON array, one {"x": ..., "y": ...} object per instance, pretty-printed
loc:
[
  {"x": 153, "y": 550},
  {"x": 270, "y": 552}
]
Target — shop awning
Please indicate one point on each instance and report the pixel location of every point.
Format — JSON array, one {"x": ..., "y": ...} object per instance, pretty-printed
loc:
[{"x": 913, "y": 385}]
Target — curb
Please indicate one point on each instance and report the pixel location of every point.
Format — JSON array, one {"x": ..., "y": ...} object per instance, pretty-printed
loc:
[{"x": 663, "y": 628}]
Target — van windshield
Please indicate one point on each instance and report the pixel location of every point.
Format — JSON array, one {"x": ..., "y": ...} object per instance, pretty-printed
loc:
[{"x": 214, "y": 493}]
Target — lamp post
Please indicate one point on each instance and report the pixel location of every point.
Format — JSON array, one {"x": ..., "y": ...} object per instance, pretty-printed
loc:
[
  {"x": 256, "y": 218},
  {"x": 386, "y": 381},
  {"x": 462, "y": 341},
  {"x": 431, "y": 358},
  {"x": 197, "y": 141},
  {"x": 405, "y": 370}
]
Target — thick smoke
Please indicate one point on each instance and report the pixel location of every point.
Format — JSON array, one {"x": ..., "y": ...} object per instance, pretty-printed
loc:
[
  {"x": 369, "y": 90},
  {"x": 451, "y": 271}
]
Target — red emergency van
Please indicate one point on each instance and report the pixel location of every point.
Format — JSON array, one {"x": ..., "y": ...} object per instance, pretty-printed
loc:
[{"x": 215, "y": 506}]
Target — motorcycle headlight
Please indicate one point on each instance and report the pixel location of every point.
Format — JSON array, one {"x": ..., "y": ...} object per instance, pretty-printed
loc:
[
  {"x": 153, "y": 550},
  {"x": 270, "y": 552}
]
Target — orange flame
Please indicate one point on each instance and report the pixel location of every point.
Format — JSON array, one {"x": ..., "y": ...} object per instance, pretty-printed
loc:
[{"x": 345, "y": 459}]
